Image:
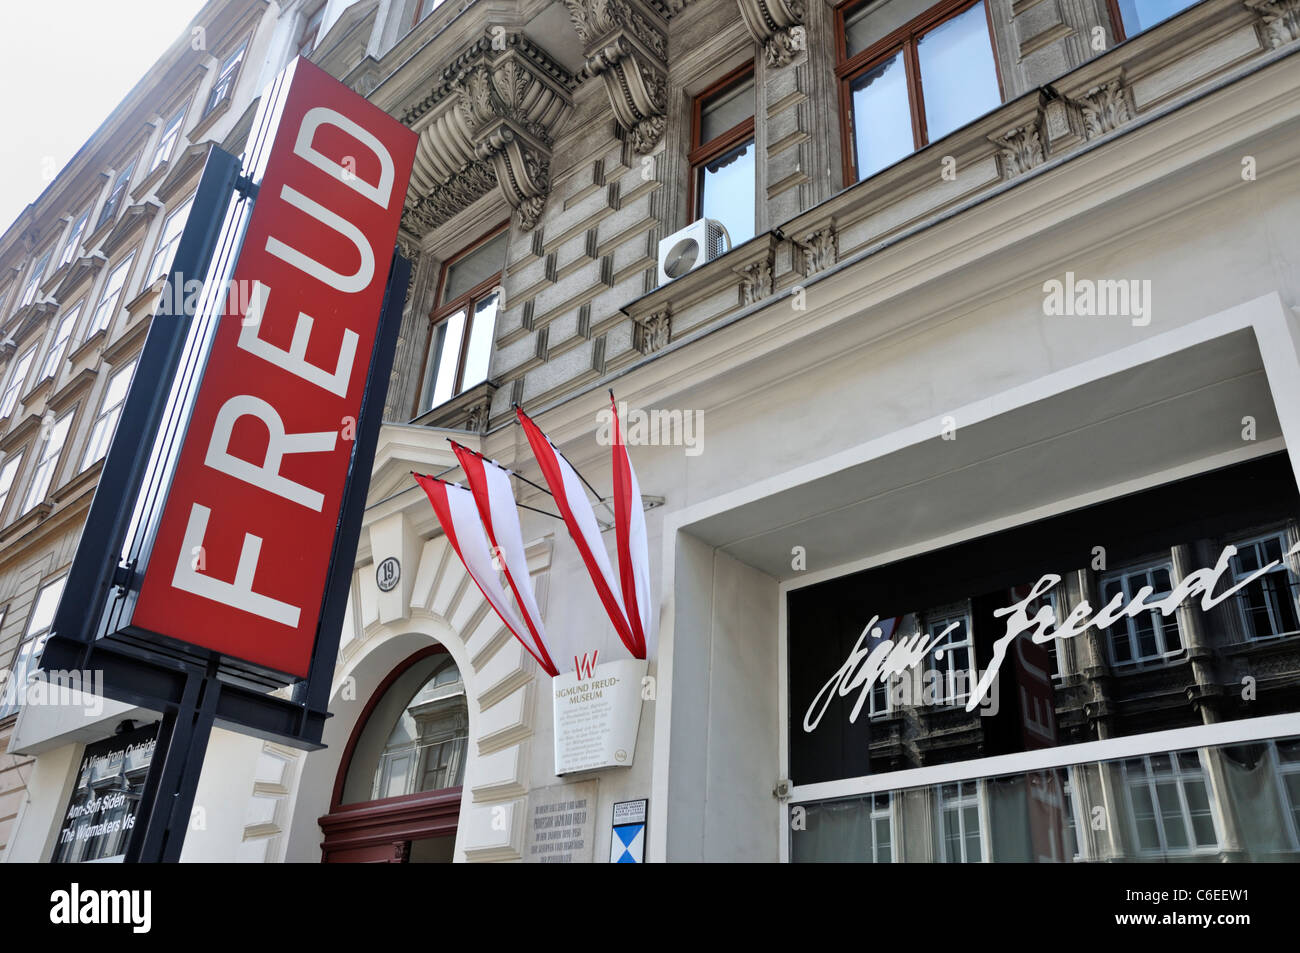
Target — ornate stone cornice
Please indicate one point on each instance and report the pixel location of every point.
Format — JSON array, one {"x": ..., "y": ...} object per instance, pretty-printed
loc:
[
  {"x": 778, "y": 25},
  {"x": 820, "y": 249},
  {"x": 489, "y": 121},
  {"x": 625, "y": 43}
]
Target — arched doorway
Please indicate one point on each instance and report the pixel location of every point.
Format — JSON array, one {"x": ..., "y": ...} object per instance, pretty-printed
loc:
[{"x": 397, "y": 793}]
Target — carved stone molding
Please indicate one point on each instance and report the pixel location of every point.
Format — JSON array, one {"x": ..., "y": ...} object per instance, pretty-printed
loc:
[
  {"x": 1279, "y": 19},
  {"x": 625, "y": 43},
  {"x": 477, "y": 419},
  {"x": 1020, "y": 149},
  {"x": 755, "y": 281},
  {"x": 1104, "y": 107},
  {"x": 652, "y": 332},
  {"x": 820, "y": 249},
  {"x": 489, "y": 122},
  {"x": 778, "y": 25}
]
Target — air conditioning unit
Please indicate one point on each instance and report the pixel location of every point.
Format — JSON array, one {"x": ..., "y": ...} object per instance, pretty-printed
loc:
[{"x": 697, "y": 243}]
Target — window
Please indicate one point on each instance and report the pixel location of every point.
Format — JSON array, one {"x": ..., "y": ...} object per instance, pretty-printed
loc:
[
  {"x": 34, "y": 279},
  {"x": 722, "y": 155},
  {"x": 1288, "y": 770},
  {"x": 114, "y": 397},
  {"x": 1075, "y": 849},
  {"x": 60, "y": 343},
  {"x": 908, "y": 88},
  {"x": 108, "y": 298},
  {"x": 33, "y": 643},
  {"x": 16, "y": 379},
  {"x": 224, "y": 85},
  {"x": 310, "y": 31},
  {"x": 1149, "y": 636},
  {"x": 1268, "y": 605},
  {"x": 115, "y": 195},
  {"x": 950, "y": 659},
  {"x": 1131, "y": 17},
  {"x": 960, "y": 828},
  {"x": 73, "y": 242},
  {"x": 425, "y": 7},
  {"x": 882, "y": 828},
  {"x": 460, "y": 344},
  {"x": 1170, "y": 803},
  {"x": 167, "y": 141},
  {"x": 167, "y": 242},
  {"x": 48, "y": 462},
  {"x": 8, "y": 473}
]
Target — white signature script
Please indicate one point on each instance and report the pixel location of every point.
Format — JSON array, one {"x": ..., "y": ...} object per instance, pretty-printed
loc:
[{"x": 866, "y": 665}]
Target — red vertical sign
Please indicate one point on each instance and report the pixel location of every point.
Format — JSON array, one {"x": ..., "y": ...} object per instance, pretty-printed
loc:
[{"x": 240, "y": 561}]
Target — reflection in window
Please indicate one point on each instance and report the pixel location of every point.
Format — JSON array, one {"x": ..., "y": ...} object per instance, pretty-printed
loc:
[
  {"x": 950, "y": 658},
  {"x": 1149, "y": 636},
  {"x": 722, "y": 155},
  {"x": 464, "y": 323},
  {"x": 1139, "y": 15},
  {"x": 1268, "y": 604},
  {"x": 910, "y": 87},
  {"x": 1170, "y": 803},
  {"x": 33, "y": 644},
  {"x": 957, "y": 809},
  {"x": 426, "y": 749}
]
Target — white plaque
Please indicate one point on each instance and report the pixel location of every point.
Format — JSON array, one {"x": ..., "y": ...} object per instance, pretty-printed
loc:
[{"x": 596, "y": 717}]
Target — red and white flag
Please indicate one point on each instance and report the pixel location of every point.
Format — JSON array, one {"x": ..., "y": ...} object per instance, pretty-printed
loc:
[
  {"x": 630, "y": 537},
  {"x": 458, "y": 512},
  {"x": 580, "y": 518}
]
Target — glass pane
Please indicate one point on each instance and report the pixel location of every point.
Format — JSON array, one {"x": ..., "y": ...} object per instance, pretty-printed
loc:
[
  {"x": 725, "y": 110},
  {"x": 882, "y": 118},
  {"x": 480, "y": 341},
  {"x": 727, "y": 192},
  {"x": 474, "y": 268},
  {"x": 444, "y": 355},
  {"x": 958, "y": 79},
  {"x": 1139, "y": 15}
]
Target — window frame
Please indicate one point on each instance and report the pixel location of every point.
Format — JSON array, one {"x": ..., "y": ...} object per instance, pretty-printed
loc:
[
  {"x": 59, "y": 342},
  {"x": 931, "y": 624},
  {"x": 444, "y": 312},
  {"x": 318, "y": 16},
  {"x": 124, "y": 264},
  {"x": 104, "y": 411},
  {"x": 1151, "y": 777},
  {"x": 1293, "y": 585},
  {"x": 416, "y": 18},
  {"x": 903, "y": 38},
  {"x": 1121, "y": 32},
  {"x": 60, "y": 579},
  {"x": 172, "y": 127},
  {"x": 32, "y": 286},
  {"x": 185, "y": 205},
  {"x": 18, "y": 372},
  {"x": 116, "y": 192},
  {"x": 961, "y": 801},
  {"x": 13, "y": 460},
  {"x": 1137, "y": 662},
  {"x": 72, "y": 241},
  {"x": 44, "y": 458},
  {"x": 237, "y": 52},
  {"x": 701, "y": 153}
]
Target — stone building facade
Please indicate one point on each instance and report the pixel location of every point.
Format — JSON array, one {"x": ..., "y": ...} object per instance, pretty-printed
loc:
[{"x": 866, "y": 398}]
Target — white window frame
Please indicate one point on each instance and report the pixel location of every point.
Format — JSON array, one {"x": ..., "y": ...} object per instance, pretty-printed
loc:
[
  {"x": 8, "y": 477},
  {"x": 35, "y": 276},
  {"x": 113, "y": 202},
  {"x": 1281, "y": 769},
  {"x": 76, "y": 231},
  {"x": 227, "y": 75},
  {"x": 1126, "y": 627},
  {"x": 101, "y": 319},
  {"x": 934, "y": 624},
  {"x": 1293, "y": 585},
  {"x": 168, "y": 137},
  {"x": 48, "y": 462},
  {"x": 59, "y": 344},
  {"x": 30, "y": 647},
  {"x": 17, "y": 377},
  {"x": 961, "y": 802},
  {"x": 1179, "y": 777},
  {"x": 167, "y": 245},
  {"x": 101, "y": 432},
  {"x": 888, "y": 813}
]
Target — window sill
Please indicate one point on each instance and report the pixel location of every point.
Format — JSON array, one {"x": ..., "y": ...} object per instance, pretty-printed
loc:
[{"x": 468, "y": 410}]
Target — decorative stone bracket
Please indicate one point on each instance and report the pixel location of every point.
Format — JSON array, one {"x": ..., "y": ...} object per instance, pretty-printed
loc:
[
  {"x": 489, "y": 122},
  {"x": 653, "y": 331},
  {"x": 778, "y": 25},
  {"x": 1061, "y": 121},
  {"x": 625, "y": 43},
  {"x": 1279, "y": 19}
]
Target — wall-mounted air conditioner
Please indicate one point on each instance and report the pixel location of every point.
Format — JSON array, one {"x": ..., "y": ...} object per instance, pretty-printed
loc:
[{"x": 697, "y": 243}]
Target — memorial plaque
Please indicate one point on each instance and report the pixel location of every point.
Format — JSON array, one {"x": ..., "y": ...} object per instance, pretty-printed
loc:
[
  {"x": 596, "y": 718},
  {"x": 561, "y": 823}
]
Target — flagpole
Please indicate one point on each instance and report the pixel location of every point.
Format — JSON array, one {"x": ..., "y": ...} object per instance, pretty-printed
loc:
[{"x": 587, "y": 483}]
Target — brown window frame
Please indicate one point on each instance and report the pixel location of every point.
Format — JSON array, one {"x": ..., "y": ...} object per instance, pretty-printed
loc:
[
  {"x": 443, "y": 312},
  {"x": 1117, "y": 20},
  {"x": 700, "y": 153},
  {"x": 904, "y": 38}
]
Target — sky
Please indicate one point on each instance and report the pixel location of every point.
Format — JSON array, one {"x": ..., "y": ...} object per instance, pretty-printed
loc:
[{"x": 64, "y": 66}]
